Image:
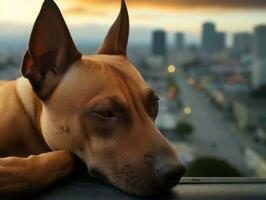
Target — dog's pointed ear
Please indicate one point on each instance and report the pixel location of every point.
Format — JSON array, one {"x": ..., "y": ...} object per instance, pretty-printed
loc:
[
  {"x": 116, "y": 40},
  {"x": 51, "y": 51}
]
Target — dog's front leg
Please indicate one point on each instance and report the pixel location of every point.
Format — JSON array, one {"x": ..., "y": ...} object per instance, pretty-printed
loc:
[{"x": 21, "y": 176}]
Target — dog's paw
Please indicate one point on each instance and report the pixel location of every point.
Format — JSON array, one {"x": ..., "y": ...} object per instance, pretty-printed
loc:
[{"x": 29, "y": 175}]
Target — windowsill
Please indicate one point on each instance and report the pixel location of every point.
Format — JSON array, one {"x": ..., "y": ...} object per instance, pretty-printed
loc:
[
  {"x": 189, "y": 188},
  {"x": 222, "y": 180}
]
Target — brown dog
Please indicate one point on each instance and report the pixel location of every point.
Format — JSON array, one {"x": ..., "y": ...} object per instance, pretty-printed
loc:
[{"x": 96, "y": 107}]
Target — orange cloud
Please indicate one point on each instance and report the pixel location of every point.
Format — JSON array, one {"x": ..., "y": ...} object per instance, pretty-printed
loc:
[
  {"x": 166, "y": 13},
  {"x": 181, "y": 4},
  {"x": 81, "y": 10}
]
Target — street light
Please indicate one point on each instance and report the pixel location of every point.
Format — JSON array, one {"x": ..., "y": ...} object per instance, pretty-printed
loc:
[
  {"x": 187, "y": 110},
  {"x": 171, "y": 69}
]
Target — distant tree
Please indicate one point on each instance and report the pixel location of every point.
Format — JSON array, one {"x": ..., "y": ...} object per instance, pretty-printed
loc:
[
  {"x": 259, "y": 92},
  {"x": 211, "y": 167},
  {"x": 184, "y": 128}
]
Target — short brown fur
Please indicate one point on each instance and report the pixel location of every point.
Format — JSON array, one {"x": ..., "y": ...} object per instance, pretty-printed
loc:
[{"x": 95, "y": 107}]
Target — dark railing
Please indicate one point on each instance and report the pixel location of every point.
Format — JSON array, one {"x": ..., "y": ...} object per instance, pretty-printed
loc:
[{"x": 78, "y": 188}]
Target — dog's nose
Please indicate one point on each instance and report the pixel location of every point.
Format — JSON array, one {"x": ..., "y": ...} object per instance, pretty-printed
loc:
[{"x": 170, "y": 173}]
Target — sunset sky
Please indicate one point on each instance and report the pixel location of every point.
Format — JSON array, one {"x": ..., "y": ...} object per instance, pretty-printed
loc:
[{"x": 17, "y": 16}]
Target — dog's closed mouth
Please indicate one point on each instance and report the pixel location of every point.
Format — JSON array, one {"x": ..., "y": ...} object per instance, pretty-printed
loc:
[{"x": 99, "y": 176}]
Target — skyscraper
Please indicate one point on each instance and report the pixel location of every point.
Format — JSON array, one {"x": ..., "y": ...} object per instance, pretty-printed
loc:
[
  {"x": 259, "y": 67},
  {"x": 159, "y": 46},
  {"x": 219, "y": 41},
  {"x": 212, "y": 41},
  {"x": 208, "y": 37},
  {"x": 243, "y": 43},
  {"x": 260, "y": 42},
  {"x": 180, "y": 41}
]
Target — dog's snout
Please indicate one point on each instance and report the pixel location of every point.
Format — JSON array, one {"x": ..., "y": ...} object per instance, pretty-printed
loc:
[{"x": 170, "y": 173}]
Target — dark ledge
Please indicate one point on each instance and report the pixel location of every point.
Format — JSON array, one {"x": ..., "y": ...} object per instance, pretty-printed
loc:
[{"x": 81, "y": 187}]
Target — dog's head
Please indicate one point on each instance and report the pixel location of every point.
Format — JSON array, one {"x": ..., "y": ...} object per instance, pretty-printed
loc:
[{"x": 99, "y": 106}]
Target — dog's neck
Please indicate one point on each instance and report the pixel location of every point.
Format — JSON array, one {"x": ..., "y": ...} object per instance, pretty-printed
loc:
[{"x": 29, "y": 100}]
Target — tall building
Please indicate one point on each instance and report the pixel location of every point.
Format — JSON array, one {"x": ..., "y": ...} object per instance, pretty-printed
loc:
[
  {"x": 212, "y": 41},
  {"x": 243, "y": 43},
  {"x": 260, "y": 42},
  {"x": 159, "y": 46},
  {"x": 208, "y": 37},
  {"x": 180, "y": 41},
  {"x": 220, "y": 41},
  {"x": 259, "y": 66}
]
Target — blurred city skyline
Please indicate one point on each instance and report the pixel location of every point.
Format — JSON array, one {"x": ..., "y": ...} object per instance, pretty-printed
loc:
[{"x": 90, "y": 19}]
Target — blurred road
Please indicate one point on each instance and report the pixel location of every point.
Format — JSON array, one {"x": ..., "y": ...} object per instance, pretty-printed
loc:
[{"x": 216, "y": 135}]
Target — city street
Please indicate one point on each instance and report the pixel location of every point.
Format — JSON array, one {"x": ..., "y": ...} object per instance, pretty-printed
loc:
[{"x": 216, "y": 135}]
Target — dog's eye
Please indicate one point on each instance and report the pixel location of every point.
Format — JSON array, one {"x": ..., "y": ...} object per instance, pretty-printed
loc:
[{"x": 105, "y": 114}]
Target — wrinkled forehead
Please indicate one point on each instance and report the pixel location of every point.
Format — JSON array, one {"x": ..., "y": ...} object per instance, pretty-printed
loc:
[
  {"x": 101, "y": 75},
  {"x": 117, "y": 64}
]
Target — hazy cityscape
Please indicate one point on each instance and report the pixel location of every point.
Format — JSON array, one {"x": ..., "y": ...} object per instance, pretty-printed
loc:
[
  {"x": 216, "y": 90},
  {"x": 221, "y": 93}
]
